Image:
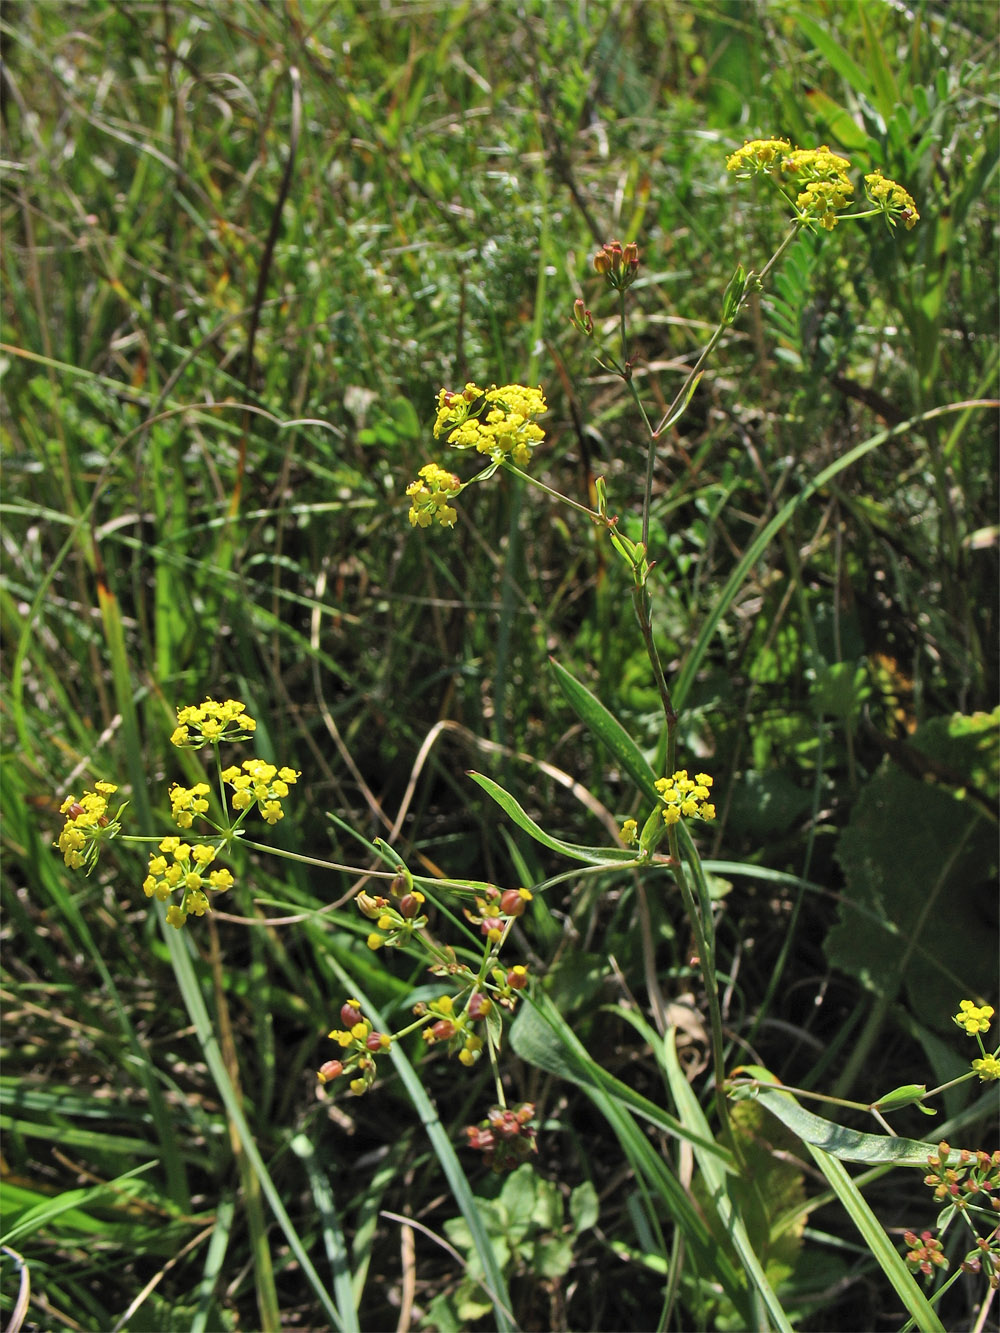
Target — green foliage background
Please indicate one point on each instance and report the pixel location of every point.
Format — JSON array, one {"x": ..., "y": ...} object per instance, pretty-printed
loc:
[{"x": 384, "y": 198}]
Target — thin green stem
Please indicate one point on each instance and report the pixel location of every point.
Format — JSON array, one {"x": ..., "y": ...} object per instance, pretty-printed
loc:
[
  {"x": 706, "y": 964},
  {"x": 556, "y": 495}
]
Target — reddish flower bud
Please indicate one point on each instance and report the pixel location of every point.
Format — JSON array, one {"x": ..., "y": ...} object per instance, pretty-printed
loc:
[
  {"x": 512, "y": 903},
  {"x": 409, "y": 906},
  {"x": 369, "y": 906},
  {"x": 376, "y": 1041},
  {"x": 517, "y": 977},
  {"x": 331, "y": 1070},
  {"x": 399, "y": 886},
  {"x": 350, "y": 1014},
  {"x": 479, "y": 1006},
  {"x": 442, "y": 1029}
]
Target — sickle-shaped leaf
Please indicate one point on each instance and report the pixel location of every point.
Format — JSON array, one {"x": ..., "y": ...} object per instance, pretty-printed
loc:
[
  {"x": 595, "y": 856},
  {"x": 608, "y": 730}
]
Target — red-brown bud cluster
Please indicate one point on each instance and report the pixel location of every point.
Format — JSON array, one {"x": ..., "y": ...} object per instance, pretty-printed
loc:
[
  {"x": 505, "y": 1137},
  {"x": 924, "y": 1253},
  {"x": 618, "y": 263}
]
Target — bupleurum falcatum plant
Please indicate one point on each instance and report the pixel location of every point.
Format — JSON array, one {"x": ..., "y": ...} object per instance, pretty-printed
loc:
[{"x": 500, "y": 426}]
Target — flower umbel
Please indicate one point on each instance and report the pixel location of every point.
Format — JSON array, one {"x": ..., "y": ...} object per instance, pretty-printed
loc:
[
  {"x": 179, "y": 866},
  {"x": 505, "y": 1137},
  {"x": 260, "y": 782},
  {"x": 212, "y": 722},
  {"x": 966, "y": 1183},
  {"x": 429, "y": 497},
  {"x": 821, "y": 179},
  {"x": 892, "y": 199},
  {"x": 87, "y": 825},
  {"x": 685, "y": 798},
  {"x": 497, "y": 422},
  {"x": 973, "y": 1018},
  {"x": 758, "y": 155},
  {"x": 618, "y": 263}
]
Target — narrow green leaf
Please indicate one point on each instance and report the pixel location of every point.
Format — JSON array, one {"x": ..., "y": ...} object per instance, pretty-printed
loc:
[
  {"x": 849, "y": 1145},
  {"x": 606, "y": 729},
  {"x": 598, "y": 856},
  {"x": 886, "y": 1254},
  {"x": 690, "y": 1112}
]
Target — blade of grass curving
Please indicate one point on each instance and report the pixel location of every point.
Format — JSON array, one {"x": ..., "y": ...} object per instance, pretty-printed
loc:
[
  {"x": 495, "y": 1285},
  {"x": 334, "y": 1241},
  {"x": 366, "y": 1220},
  {"x": 848, "y": 1145},
  {"x": 72, "y": 1201},
  {"x": 541, "y": 1036},
  {"x": 607, "y": 729},
  {"x": 689, "y": 1109}
]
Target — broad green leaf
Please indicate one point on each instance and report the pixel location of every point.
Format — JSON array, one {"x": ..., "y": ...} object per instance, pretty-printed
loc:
[
  {"x": 552, "y": 1256},
  {"x": 583, "y": 1207}
]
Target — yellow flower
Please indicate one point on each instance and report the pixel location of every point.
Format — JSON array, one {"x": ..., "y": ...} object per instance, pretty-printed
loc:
[
  {"x": 429, "y": 496},
  {"x": 892, "y": 199},
  {"x": 212, "y": 722},
  {"x": 260, "y": 782},
  {"x": 186, "y": 802},
  {"x": 179, "y": 866},
  {"x": 684, "y": 796},
  {"x": 758, "y": 155},
  {"x": 502, "y": 424},
  {"x": 87, "y": 826},
  {"x": 988, "y": 1068},
  {"x": 972, "y": 1018}
]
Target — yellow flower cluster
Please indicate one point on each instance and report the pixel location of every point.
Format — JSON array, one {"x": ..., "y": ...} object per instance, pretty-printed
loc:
[
  {"x": 892, "y": 199},
  {"x": 212, "y": 722},
  {"x": 988, "y": 1068},
  {"x": 260, "y": 782},
  {"x": 973, "y": 1018},
  {"x": 758, "y": 155},
  {"x": 88, "y": 824},
  {"x": 497, "y": 422},
  {"x": 187, "y": 870},
  {"x": 821, "y": 178},
  {"x": 683, "y": 797},
  {"x": 429, "y": 496},
  {"x": 186, "y": 802}
]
